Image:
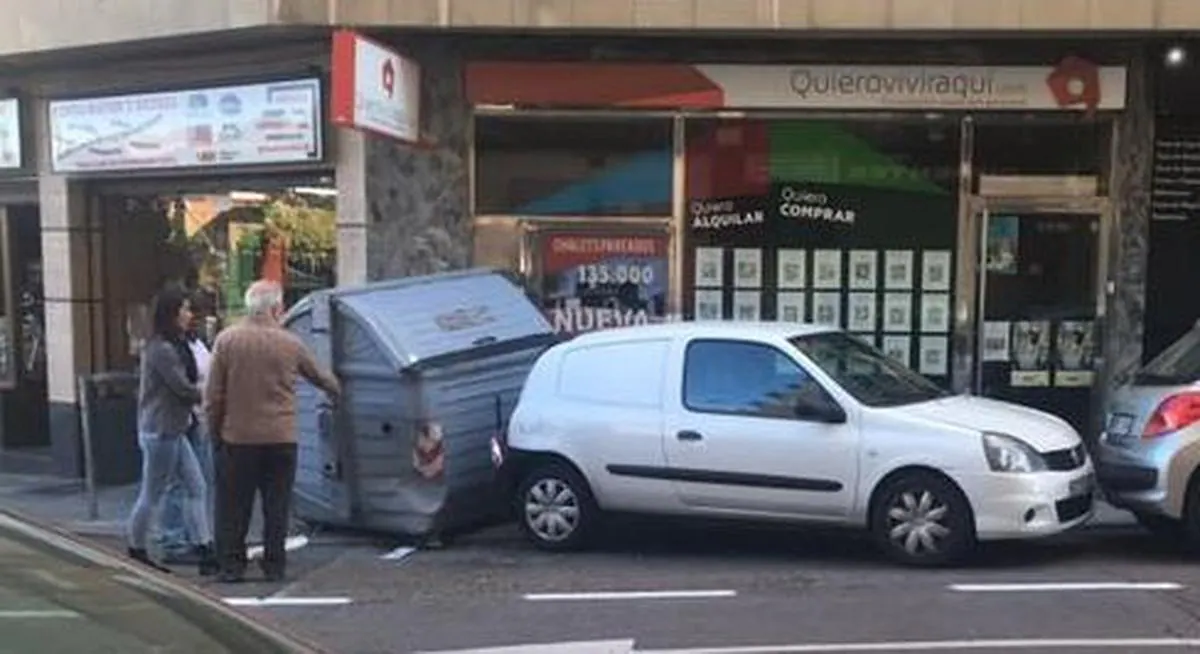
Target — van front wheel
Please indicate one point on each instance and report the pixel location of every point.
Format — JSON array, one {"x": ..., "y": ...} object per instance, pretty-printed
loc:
[{"x": 555, "y": 508}]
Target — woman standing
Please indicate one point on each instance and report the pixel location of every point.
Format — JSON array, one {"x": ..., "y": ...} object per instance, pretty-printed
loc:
[
  {"x": 169, "y": 392},
  {"x": 177, "y": 543}
]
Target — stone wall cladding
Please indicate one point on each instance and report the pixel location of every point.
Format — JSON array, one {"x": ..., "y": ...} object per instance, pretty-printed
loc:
[
  {"x": 418, "y": 218},
  {"x": 1127, "y": 269}
]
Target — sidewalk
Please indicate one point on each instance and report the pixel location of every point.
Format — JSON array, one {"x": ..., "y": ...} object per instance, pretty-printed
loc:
[{"x": 64, "y": 502}]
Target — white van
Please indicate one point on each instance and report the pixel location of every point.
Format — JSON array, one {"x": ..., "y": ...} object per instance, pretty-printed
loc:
[{"x": 780, "y": 422}]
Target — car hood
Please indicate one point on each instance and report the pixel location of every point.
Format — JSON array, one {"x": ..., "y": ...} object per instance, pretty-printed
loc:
[{"x": 1041, "y": 430}]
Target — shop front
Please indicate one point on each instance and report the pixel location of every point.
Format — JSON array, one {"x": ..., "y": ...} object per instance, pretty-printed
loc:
[
  {"x": 957, "y": 217},
  {"x": 210, "y": 186}
]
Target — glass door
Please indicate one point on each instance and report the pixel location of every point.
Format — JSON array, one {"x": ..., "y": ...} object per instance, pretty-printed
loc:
[{"x": 1040, "y": 309}]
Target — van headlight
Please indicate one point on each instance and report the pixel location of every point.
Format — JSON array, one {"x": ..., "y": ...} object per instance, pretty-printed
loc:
[{"x": 1010, "y": 454}]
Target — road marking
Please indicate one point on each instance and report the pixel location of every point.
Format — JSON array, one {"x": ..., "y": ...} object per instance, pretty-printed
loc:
[
  {"x": 37, "y": 615},
  {"x": 288, "y": 601},
  {"x": 398, "y": 554},
  {"x": 943, "y": 645},
  {"x": 627, "y": 646},
  {"x": 292, "y": 544},
  {"x": 1063, "y": 586},
  {"x": 630, "y": 595},
  {"x": 579, "y": 647}
]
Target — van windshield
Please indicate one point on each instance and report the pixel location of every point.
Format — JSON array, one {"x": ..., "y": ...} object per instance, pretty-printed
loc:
[
  {"x": 1178, "y": 364},
  {"x": 864, "y": 372}
]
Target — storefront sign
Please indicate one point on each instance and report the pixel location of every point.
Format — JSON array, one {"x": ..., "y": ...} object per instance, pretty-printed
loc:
[
  {"x": 1073, "y": 84},
  {"x": 10, "y": 134},
  {"x": 252, "y": 124},
  {"x": 374, "y": 88},
  {"x": 597, "y": 281}
]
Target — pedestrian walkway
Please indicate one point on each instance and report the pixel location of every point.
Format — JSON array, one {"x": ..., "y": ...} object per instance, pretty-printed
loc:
[{"x": 65, "y": 503}]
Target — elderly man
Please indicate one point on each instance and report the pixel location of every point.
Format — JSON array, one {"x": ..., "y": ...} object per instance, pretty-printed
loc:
[{"x": 251, "y": 405}]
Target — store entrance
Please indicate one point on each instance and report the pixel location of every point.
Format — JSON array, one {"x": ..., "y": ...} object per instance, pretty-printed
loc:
[
  {"x": 1040, "y": 305},
  {"x": 25, "y": 428}
]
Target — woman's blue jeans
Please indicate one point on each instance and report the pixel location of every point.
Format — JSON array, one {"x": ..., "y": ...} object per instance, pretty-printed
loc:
[{"x": 177, "y": 537}]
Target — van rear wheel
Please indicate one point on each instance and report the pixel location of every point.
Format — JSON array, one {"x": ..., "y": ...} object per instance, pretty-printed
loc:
[{"x": 555, "y": 508}]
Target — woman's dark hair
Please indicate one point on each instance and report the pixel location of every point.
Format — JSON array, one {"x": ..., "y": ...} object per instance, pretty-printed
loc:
[{"x": 166, "y": 312}]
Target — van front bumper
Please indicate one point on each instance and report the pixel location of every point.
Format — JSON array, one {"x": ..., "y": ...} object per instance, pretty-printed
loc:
[{"x": 1032, "y": 505}]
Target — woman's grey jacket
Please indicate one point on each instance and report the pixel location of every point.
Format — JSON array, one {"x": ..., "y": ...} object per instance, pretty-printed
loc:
[{"x": 166, "y": 396}]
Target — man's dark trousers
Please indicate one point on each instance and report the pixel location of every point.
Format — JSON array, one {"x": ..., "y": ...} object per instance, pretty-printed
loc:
[{"x": 242, "y": 472}]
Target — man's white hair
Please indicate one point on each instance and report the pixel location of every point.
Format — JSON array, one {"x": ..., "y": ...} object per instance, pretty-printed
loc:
[{"x": 262, "y": 297}]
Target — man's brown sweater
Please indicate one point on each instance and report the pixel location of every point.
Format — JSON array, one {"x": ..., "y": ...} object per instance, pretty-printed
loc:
[{"x": 251, "y": 393}]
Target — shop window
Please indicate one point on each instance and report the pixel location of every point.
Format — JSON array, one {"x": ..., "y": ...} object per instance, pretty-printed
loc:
[
  {"x": 743, "y": 158},
  {"x": 848, "y": 223},
  {"x": 216, "y": 244},
  {"x": 1021, "y": 148},
  {"x": 543, "y": 166}
]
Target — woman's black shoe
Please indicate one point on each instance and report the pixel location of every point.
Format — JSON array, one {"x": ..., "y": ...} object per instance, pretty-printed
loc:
[
  {"x": 208, "y": 560},
  {"x": 142, "y": 557}
]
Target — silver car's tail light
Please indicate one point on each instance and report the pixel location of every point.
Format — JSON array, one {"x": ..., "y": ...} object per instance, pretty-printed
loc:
[{"x": 1174, "y": 413}]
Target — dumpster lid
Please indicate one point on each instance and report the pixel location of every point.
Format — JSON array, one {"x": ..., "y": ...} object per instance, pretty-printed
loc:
[{"x": 419, "y": 318}]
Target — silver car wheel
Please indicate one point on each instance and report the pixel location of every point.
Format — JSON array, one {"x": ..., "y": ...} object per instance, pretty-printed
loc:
[
  {"x": 915, "y": 523},
  {"x": 551, "y": 510}
]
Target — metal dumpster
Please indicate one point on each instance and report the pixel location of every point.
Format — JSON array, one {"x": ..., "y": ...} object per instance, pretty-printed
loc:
[{"x": 429, "y": 366}]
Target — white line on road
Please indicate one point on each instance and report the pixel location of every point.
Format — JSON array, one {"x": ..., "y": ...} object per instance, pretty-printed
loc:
[
  {"x": 35, "y": 615},
  {"x": 944, "y": 645},
  {"x": 288, "y": 601},
  {"x": 398, "y": 554},
  {"x": 1035, "y": 644},
  {"x": 292, "y": 544},
  {"x": 1062, "y": 586},
  {"x": 629, "y": 595}
]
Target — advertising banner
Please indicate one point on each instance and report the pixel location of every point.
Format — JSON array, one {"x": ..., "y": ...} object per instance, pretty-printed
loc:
[
  {"x": 595, "y": 281},
  {"x": 10, "y": 134},
  {"x": 1071, "y": 84},
  {"x": 374, "y": 88},
  {"x": 270, "y": 123}
]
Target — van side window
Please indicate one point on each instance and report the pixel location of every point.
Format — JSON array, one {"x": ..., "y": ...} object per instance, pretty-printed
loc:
[
  {"x": 618, "y": 374},
  {"x": 743, "y": 378}
]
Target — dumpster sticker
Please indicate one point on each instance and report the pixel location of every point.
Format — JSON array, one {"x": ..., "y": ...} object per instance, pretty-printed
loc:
[
  {"x": 429, "y": 452},
  {"x": 596, "y": 281},
  {"x": 465, "y": 318}
]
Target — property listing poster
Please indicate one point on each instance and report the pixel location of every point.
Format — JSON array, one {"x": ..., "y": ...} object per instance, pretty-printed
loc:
[
  {"x": 814, "y": 221},
  {"x": 596, "y": 281}
]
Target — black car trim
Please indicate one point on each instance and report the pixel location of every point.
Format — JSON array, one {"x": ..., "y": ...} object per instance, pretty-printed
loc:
[{"x": 726, "y": 478}]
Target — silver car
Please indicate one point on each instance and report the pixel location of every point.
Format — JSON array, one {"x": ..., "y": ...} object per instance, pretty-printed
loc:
[{"x": 1149, "y": 452}]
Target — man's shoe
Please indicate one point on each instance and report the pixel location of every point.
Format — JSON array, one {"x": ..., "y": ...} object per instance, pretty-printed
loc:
[
  {"x": 141, "y": 556},
  {"x": 271, "y": 573}
]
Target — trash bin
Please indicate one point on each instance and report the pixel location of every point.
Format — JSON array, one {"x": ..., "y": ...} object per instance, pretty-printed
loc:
[
  {"x": 428, "y": 366},
  {"x": 108, "y": 407}
]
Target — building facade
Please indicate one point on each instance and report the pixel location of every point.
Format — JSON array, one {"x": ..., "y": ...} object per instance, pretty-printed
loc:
[{"x": 997, "y": 193}]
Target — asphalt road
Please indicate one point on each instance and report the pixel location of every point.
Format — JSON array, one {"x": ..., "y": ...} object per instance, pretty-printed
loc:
[{"x": 690, "y": 589}]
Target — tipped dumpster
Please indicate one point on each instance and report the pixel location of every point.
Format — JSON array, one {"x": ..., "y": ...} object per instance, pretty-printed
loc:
[{"x": 430, "y": 368}]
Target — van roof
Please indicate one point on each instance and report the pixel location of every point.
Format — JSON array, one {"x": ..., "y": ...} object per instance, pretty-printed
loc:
[{"x": 704, "y": 329}]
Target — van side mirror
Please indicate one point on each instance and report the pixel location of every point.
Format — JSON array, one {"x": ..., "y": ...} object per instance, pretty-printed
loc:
[{"x": 824, "y": 410}]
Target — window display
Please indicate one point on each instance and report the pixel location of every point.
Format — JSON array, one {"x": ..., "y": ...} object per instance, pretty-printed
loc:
[
  {"x": 612, "y": 166},
  {"x": 216, "y": 244},
  {"x": 595, "y": 280},
  {"x": 863, "y": 213}
]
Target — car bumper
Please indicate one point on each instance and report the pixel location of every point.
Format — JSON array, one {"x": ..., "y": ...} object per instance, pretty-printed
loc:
[
  {"x": 1034, "y": 505},
  {"x": 1135, "y": 477}
]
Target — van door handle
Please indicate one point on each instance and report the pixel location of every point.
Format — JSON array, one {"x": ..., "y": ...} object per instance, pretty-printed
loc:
[{"x": 689, "y": 435}]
